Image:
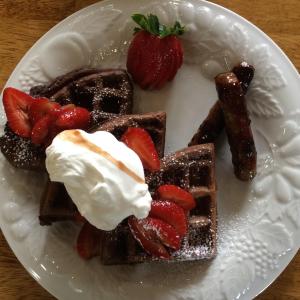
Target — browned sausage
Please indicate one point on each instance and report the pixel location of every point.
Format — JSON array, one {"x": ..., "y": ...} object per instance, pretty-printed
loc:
[
  {"x": 237, "y": 125},
  {"x": 213, "y": 124},
  {"x": 210, "y": 128},
  {"x": 244, "y": 72}
]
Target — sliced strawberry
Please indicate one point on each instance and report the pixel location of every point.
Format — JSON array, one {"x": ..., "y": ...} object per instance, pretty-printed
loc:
[
  {"x": 41, "y": 107},
  {"x": 67, "y": 107},
  {"x": 173, "y": 67},
  {"x": 168, "y": 65},
  {"x": 57, "y": 111},
  {"x": 40, "y": 130},
  {"x": 73, "y": 118},
  {"x": 151, "y": 62},
  {"x": 154, "y": 55},
  {"x": 179, "y": 52},
  {"x": 89, "y": 241},
  {"x": 146, "y": 239},
  {"x": 172, "y": 60},
  {"x": 142, "y": 144},
  {"x": 162, "y": 231},
  {"x": 177, "y": 195},
  {"x": 134, "y": 55},
  {"x": 53, "y": 132},
  {"x": 170, "y": 213},
  {"x": 54, "y": 113},
  {"x": 79, "y": 218},
  {"x": 177, "y": 56},
  {"x": 16, "y": 106},
  {"x": 141, "y": 64}
]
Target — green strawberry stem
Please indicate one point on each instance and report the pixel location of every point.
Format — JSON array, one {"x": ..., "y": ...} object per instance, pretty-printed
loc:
[{"x": 151, "y": 24}]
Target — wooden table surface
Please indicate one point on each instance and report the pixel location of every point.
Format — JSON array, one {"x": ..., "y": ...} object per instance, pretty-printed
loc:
[{"x": 22, "y": 22}]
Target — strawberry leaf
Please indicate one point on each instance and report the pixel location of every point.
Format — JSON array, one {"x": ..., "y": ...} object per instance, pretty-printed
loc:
[
  {"x": 141, "y": 20},
  {"x": 151, "y": 24},
  {"x": 178, "y": 29}
]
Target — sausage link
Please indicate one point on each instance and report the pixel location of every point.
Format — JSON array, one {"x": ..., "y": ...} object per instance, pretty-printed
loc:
[
  {"x": 213, "y": 124},
  {"x": 245, "y": 73},
  {"x": 210, "y": 128},
  {"x": 237, "y": 125}
]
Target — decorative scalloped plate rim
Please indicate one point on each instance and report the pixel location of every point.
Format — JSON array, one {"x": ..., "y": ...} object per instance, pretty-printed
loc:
[{"x": 50, "y": 282}]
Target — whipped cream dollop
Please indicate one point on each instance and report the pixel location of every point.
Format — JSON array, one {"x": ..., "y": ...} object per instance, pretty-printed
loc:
[{"x": 104, "y": 178}]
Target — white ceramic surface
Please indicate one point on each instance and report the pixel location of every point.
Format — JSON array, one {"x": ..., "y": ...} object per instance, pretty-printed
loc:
[{"x": 258, "y": 222}]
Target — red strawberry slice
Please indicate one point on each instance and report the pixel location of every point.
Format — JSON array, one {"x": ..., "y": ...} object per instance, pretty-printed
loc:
[
  {"x": 89, "y": 241},
  {"x": 16, "y": 106},
  {"x": 59, "y": 110},
  {"x": 179, "y": 53},
  {"x": 165, "y": 232},
  {"x": 177, "y": 195},
  {"x": 178, "y": 56},
  {"x": 169, "y": 64},
  {"x": 67, "y": 107},
  {"x": 73, "y": 118},
  {"x": 151, "y": 62},
  {"x": 162, "y": 64},
  {"x": 170, "y": 213},
  {"x": 144, "y": 65},
  {"x": 142, "y": 144},
  {"x": 172, "y": 59},
  {"x": 146, "y": 239},
  {"x": 162, "y": 231},
  {"x": 41, "y": 107},
  {"x": 78, "y": 218},
  {"x": 134, "y": 55},
  {"x": 40, "y": 130}
]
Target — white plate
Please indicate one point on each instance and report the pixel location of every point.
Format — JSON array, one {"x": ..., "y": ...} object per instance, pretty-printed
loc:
[{"x": 258, "y": 222}]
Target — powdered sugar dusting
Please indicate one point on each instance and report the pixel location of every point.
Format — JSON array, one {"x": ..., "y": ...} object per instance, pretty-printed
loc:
[
  {"x": 20, "y": 152},
  {"x": 191, "y": 169}
]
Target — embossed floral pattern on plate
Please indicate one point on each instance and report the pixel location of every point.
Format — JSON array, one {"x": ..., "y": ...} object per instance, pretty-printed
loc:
[{"x": 258, "y": 222}]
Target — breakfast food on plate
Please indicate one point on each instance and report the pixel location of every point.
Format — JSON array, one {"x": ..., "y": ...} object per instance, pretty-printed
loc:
[
  {"x": 104, "y": 178},
  {"x": 104, "y": 93},
  {"x": 154, "y": 123},
  {"x": 106, "y": 166},
  {"x": 245, "y": 73},
  {"x": 141, "y": 143},
  {"x": 210, "y": 128},
  {"x": 183, "y": 212},
  {"x": 213, "y": 124},
  {"x": 237, "y": 125},
  {"x": 21, "y": 152},
  {"x": 184, "y": 176},
  {"x": 36, "y": 121},
  {"x": 56, "y": 204},
  {"x": 155, "y": 53},
  {"x": 105, "y": 161},
  {"x": 98, "y": 90},
  {"x": 231, "y": 112}
]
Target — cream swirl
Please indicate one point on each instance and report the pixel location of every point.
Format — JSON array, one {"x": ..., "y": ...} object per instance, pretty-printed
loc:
[{"x": 104, "y": 178}]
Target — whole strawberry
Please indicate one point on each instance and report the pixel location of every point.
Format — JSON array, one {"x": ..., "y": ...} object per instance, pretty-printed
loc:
[{"x": 155, "y": 53}]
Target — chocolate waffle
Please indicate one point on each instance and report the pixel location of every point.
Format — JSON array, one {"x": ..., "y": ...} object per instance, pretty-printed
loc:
[
  {"x": 56, "y": 204},
  {"x": 193, "y": 169},
  {"x": 109, "y": 91},
  {"x": 106, "y": 93},
  {"x": 154, "y": 123},
  {"x": 20, "y": 152}
]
